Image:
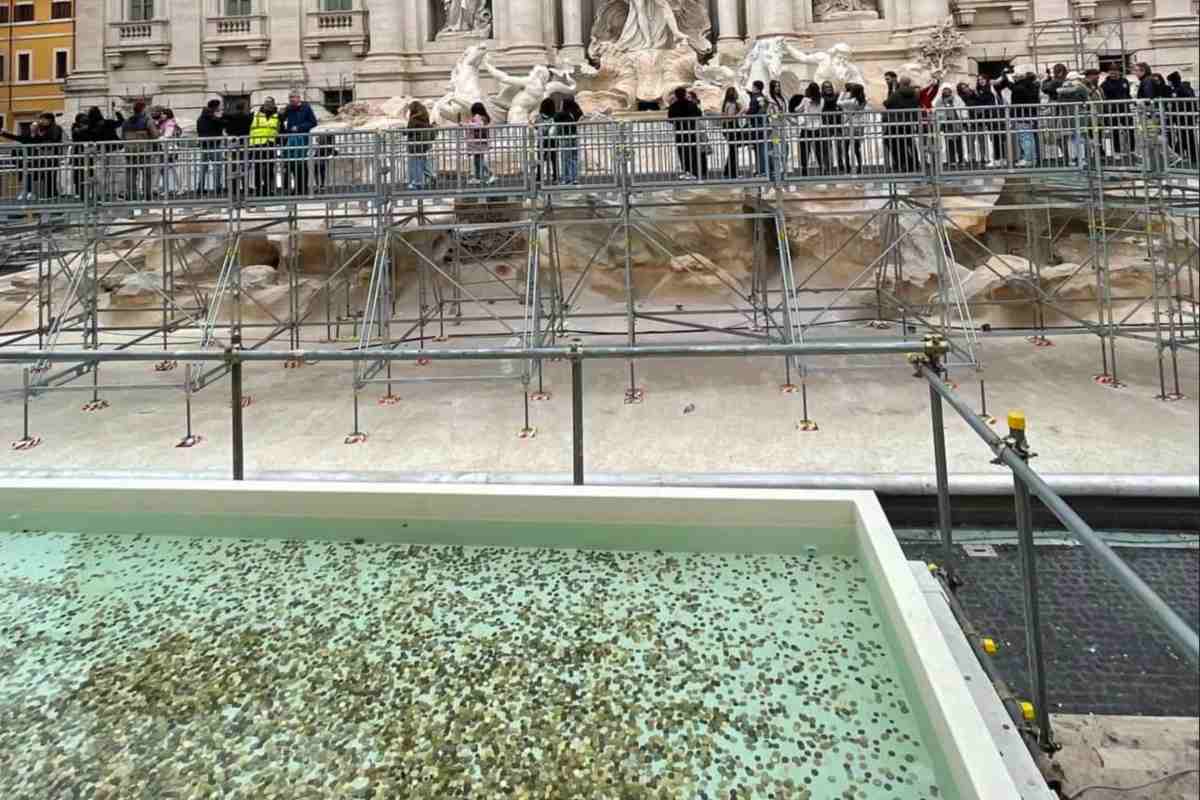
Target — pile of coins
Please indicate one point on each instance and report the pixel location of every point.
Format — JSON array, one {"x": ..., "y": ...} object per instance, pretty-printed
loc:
[{"x": 173, "y": 667}]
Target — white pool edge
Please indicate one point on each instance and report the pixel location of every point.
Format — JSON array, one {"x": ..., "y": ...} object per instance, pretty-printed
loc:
[
  {"x": 970, "y": 752},
  {"x": 974, "y": 764}
]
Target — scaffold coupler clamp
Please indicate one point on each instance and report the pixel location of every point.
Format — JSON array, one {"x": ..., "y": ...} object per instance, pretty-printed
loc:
[
  {"x": 933, "y": 350},
  {"x": 1016, "y": 441}
]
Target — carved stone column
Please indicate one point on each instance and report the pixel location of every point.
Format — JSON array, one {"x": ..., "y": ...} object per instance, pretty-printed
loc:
[
  {"x": 285, "y": 66},
  {"x": 89, "y": 80},
  {"x": 730, "y": 34},
  {"x": 520, "y": 21},
  {"x": 775, "y": 18},
  {"x": 1174, "y": 26},
  {"x": 927, "y": 13},
  {"x": 395, "y": 27},
  {"x": 572, "y": 23}
]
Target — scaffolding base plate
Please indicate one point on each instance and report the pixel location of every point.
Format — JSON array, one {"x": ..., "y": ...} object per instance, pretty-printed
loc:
[
  {"x": 190, "y": 441},
  {"x": 26, "y": 443},
  {"x": 1039, "y": 341},
  {"x": 1104, "y": 379},
  {"x": 293, "y": 363},
  {"x": 634, "y": 396},
  {"x": 540, "y": 397},
  {"x": 527, "y": 433},
  {"x": 247, "y": 401},
  {"x": 389, "y": 399},
  {"x": 789, "y": 388},
  {"x": 355, "y": 438},
  {"x": 1170, "y": 397},
  {"x": 807, "y": 426},
  {"x": 94, "y": 405},
  {"x": 165, "y": 366}
]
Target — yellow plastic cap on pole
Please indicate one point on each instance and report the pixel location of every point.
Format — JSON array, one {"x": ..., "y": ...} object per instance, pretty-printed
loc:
[
  {"x": 1027, "y": 711},
  {"x": 989, "y": 647},
  {"x": 1016, "y": 420}
]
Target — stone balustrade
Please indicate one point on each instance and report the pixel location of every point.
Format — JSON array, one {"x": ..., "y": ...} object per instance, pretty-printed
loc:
[{"x": 250, "y": 32}]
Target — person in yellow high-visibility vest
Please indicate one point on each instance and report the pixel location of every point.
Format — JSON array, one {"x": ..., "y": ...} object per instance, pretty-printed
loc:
[{"x": 264, "y": 137}]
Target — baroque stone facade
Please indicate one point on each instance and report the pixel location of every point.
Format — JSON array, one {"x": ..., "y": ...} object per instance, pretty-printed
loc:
[{"x": 182, "y": 52}]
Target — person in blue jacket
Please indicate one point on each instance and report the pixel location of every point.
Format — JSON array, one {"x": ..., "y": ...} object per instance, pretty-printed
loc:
[{"x": 298, "y": 120}]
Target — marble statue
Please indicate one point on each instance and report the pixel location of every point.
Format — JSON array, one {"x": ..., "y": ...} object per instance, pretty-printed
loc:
[
  {"x": 645, "y": 48},
  {"x": 465, "y": 87},
  {"x": 650, "y": 25},
  {"x": 466, "y": 18},
  {"x": 826, "y": 10},
  {"x": 522, "y": 96},
  {"x": 763, "y": 63},
  {"x": 833, "y": 65}
]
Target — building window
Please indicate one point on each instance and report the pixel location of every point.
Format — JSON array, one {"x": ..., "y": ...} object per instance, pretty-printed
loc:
[
  {"x": 238, "y": 8},
  {"x": 23, "y": 12},
  {"x": 1109, "y": 59},
  {"x": 993, "y": 69},
  {"x": 3, "y": 69},
  {"x": 230, "y": 101},
  {"x": 335, "y": 5},
  {"x": 62, "y": 64},
  {"x": 141, "y": 10},
  {"x": 24, "y": 67},
  {"x": 334, "y": 99},
  {"x": 4, "y": 15},
  {"x": 62, "y": 9}
]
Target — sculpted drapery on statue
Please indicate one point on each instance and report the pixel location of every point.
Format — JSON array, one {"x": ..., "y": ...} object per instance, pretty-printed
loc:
[
  {"x": 650, "y": 25},
  {"x": 840, "y": 9},
  {"x": 630, "y": 26},
  {"x": 466, "y": 18},
  {"x": 644, "y": 48}
]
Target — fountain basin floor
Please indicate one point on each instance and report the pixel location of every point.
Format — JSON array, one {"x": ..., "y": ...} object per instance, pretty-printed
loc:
[{"x": 297, "y": 656}]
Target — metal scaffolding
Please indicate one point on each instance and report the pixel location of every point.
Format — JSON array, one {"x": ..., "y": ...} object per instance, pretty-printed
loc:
[{"x": 480, "y": 229}]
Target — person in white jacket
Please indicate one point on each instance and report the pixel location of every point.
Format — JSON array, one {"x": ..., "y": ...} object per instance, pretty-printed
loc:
[
  {"x": 952, "y": 116},
  {"x": 853, "y": 103},
  {"x": 808, "y": 118}
]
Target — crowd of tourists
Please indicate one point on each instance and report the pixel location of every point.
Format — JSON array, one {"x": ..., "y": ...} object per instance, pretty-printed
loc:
[
  {"x": 1021, "y": 120},
  {"x": 144, "y": 147}
]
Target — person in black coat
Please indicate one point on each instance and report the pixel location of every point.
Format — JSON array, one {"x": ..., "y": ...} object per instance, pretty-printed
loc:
[
  {"x": 989, "y": 106},
  {"x": 1115, "y": 116},
  {"x": 81, "y": 137},
  {"x": 210, "y": 129},
  {"x": 43, "y": 156},
  {"x": 237, "y": 126},
  {"x": 1026, "y": 99},
  {"x": 1145, "y": 87},
  {"x": 1183, "y": 117},
  {"x": 683, "y": 114},
  {"x": 905, "y": 104}
]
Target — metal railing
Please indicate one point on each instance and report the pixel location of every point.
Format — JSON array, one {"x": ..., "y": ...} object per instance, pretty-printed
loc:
[
  {"x": 1011, "y": 451},
  {"x": 1133, "y": 138}
]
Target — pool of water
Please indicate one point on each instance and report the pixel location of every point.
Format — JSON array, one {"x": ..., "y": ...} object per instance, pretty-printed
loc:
[{"x": 181, "y": 665}]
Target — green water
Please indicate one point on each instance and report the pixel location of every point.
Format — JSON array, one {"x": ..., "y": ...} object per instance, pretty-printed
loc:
[{"x": 179, "y": 666}]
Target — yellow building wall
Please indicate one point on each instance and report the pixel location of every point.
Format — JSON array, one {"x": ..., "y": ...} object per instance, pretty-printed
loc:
[{"x": 22, "y": 101}]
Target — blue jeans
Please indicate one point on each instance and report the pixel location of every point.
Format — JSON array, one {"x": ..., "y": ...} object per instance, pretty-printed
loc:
[
  {"x": 419, "y": 174},
  {"x": 215, "y": 158},
  {"x": 479, "y": 161},
  {"x": 570, "y": 163},
  {"x": 1027, "y": 140}
]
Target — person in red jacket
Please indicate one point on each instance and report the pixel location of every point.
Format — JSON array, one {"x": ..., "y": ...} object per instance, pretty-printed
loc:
[{"x": 930, "y": 92}]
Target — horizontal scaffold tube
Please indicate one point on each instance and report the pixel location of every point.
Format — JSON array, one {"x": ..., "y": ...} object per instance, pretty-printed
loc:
[{"x": 824, "y": 348}]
